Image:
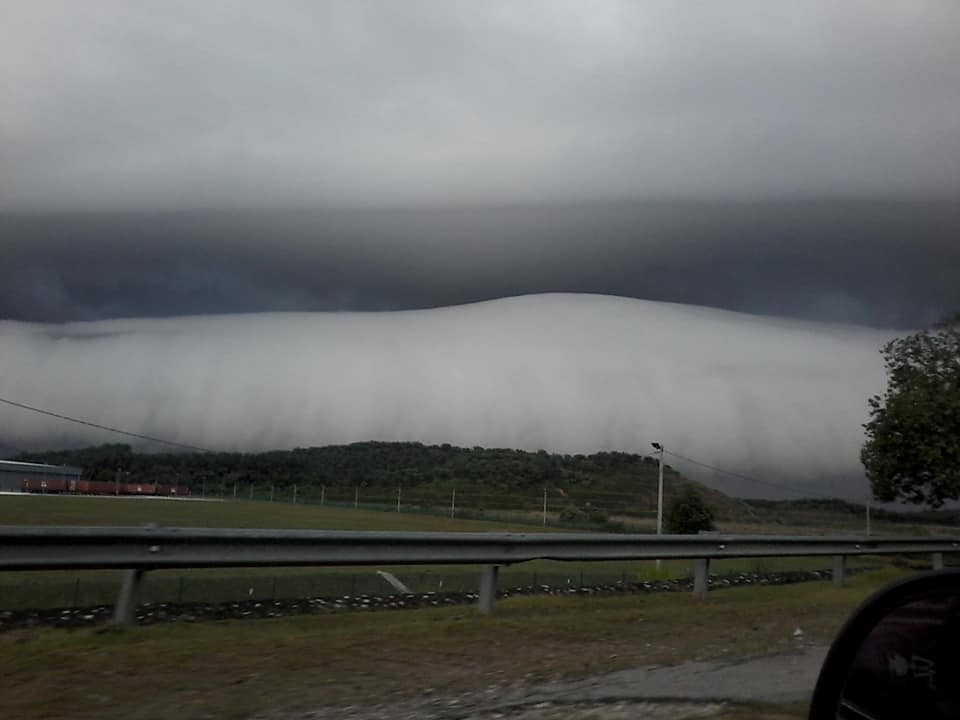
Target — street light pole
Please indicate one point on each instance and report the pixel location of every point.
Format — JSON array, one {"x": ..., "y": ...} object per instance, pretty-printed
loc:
[{"x": 659, "y": 448}]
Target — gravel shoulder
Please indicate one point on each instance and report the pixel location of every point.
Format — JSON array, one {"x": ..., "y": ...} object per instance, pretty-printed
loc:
[{"x": 696, "y": 689}]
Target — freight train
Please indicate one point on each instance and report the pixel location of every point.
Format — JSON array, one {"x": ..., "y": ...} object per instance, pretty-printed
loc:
[{"x": 73, "y": 486}]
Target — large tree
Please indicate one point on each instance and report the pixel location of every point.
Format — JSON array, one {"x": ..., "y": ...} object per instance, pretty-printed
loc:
[{"x": 912, "y": 451}]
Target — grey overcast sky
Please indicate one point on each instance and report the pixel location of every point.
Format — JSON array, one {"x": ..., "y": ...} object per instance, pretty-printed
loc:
[{"x": 168, "y": 158}]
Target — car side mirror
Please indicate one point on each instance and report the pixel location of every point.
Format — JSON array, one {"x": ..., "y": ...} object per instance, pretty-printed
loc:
[{"x": 898, "y": 656}]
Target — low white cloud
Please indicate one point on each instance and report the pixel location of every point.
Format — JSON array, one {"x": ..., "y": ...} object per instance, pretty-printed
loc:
[{"x": 778, "y": 399}]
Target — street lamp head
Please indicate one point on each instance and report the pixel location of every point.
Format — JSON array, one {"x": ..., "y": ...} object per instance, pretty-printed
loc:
[{"x": 657, "y": 446}]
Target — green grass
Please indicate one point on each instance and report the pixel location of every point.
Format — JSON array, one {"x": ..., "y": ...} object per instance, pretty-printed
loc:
[
  {"x": 235, "y": 669},
  {"x": 81, "y": 510},
  {"x": 70, "y": 589},
  {"x": 27, "y": 590}
]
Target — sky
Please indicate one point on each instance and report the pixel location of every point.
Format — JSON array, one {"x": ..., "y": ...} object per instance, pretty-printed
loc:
[
  {"x": 788, "y": 161},
  {"x": 176, "y": 158},
  {"x": 172, "y": 104}
]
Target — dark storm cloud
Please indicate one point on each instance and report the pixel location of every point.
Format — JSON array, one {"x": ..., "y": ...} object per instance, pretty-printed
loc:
[
  {"x": 182, "y": 104},
  {"x": 503, "y": 133},
  {"x": 885, "y": 263}
]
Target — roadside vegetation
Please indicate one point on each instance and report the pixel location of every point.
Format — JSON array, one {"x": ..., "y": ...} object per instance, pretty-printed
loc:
[{"x": 234, "y": 669}]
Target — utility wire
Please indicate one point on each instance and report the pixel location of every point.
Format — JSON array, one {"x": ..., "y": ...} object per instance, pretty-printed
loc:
[
  {"x": 102, "y": 427},
  {"x": 173, "y": 443},
  {"x": 788, "y": 488}
]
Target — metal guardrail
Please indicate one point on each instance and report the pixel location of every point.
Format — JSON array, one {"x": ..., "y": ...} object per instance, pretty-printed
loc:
[{"x": 140, "y": 549}]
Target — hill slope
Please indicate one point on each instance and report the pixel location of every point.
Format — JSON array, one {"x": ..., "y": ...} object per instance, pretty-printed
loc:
[{"x": 487, "y": 479}]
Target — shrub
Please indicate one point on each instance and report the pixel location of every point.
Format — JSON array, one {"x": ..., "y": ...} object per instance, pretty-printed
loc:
[{"x": 688, "y": 514}]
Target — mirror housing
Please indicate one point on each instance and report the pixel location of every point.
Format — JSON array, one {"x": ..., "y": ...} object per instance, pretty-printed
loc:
[{"x": 898, "y": 656}]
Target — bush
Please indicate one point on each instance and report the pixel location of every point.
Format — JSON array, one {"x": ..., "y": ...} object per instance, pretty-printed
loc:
[
  {"x": 596, "y": 515},
  {"x": 688, "y": 514},
  {"x": 586, "y": 514}
]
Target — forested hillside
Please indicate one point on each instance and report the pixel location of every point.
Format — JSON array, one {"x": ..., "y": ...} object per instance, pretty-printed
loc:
[{"x": 615, "y": 481}]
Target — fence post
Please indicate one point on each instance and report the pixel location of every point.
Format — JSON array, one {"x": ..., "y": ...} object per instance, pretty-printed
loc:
[
  {"x": 125, "y": 611},
  {"x": 839, "y": 570},
  {"x": 937, "y": 560},
  {"x": 701, "y": 573},
  {"x": 488, "y": 589}
]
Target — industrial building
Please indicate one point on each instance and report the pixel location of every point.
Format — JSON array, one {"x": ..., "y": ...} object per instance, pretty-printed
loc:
[{"x": 12, "y": 474}]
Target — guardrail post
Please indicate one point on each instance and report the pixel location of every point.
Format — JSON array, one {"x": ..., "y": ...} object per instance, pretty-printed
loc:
[
  {"x": 937, "y": 560},
  {"x": 701, "y": 572},
  {"x": 125, "y": 611},
  {"x": 839, "y": 570},
  {"x": 488, "y": 589}
]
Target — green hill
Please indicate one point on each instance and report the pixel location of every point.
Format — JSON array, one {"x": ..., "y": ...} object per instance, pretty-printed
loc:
[{"x": 482, "y": 479}]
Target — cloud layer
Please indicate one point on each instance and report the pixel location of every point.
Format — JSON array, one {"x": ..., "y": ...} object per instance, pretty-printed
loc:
[
  {"x": 883, "y": 263},
  {"x": 782, "y": 400},
  {"x": 178, "y": 104}
]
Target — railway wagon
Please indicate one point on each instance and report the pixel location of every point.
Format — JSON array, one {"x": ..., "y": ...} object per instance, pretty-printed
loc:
[
  {"x": 138, "y": 489},
  {"x": 92, "y": 487},
  {"x": 100, "y": 487},
  {"x": 47, "y": 485}
]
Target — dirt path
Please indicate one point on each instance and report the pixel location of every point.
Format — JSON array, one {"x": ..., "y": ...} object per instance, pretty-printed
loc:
[{"x": 674, "y": 692}]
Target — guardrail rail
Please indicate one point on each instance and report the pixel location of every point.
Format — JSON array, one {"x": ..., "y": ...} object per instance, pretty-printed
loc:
[{"x": 142, "y": 549}]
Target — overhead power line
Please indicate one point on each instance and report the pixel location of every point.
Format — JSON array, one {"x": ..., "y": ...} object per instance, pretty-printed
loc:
[
  {"x": 187, "y": 446},
  {"x": 88, "y": 423},
  {"x": 758, "y": 481}
]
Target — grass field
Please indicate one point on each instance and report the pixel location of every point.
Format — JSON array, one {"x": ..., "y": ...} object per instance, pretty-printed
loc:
[
  {"x": 81, "y": 510},
  {"x": 70, "y": 589},
  {"x": 236, "y": 669}
]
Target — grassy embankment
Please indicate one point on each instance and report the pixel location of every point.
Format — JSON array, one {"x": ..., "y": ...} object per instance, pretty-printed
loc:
[{"x": 234, "y": 669}]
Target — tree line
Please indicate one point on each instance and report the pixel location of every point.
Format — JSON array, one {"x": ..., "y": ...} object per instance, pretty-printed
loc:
[{"x": 367, "y": 464}]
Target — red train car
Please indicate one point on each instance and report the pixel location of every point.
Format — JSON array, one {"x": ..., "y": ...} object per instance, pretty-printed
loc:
[
  {"x": 93, "y": 487},
  {"x": 100, "y": 487},
  {"x": 44, "y": 486},
  {"x": 138, "y": 489}
]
